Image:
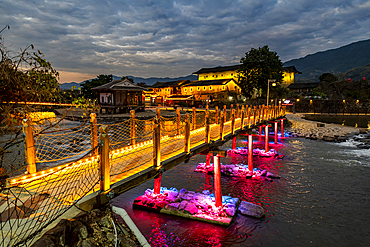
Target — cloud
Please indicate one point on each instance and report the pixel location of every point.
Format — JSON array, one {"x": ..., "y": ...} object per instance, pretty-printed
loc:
[{"x": 174, "y": 38}]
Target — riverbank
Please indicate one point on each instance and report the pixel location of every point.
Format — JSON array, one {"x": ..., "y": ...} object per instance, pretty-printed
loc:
[{"x": 322, "y": 131}]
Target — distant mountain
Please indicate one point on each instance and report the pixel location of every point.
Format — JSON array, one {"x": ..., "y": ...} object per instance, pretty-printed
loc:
[
  {"x": 148, "y": 81},
  {"x": 338, "y": 60},
  {"x": 152, "y": 80},
  {"x": 69, "y": 85}
]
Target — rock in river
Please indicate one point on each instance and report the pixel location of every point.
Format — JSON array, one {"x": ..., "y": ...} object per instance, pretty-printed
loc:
[{"x": 251, "y": 209}]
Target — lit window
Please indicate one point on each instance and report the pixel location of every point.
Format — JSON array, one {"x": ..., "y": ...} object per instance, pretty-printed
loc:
[
  {"x": 191, "y": 89},
  {"x": 198, "y": 88},
  {"x": 210, "y": 88},
  {"x": 232, "y": 74},
  {"x": 222, "y": 74},
  {"x": 213, "y": 75},
  {"x": 216, "y": 76},
  {"x": 185, "y": 89},
  {"x": 204, "y": 88},
  {"x": 223, "y": 87}
]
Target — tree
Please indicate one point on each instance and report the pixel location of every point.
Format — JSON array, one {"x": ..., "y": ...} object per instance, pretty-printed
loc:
[
  {"x": 142, "y": 84},
  {"x": 24, "y": 77},
  {"x": 328, "y": 77},
  {"x": 257, "y": 67},
  {"x": 128, "y": 78},
  {"x": 86, "y": 87}
]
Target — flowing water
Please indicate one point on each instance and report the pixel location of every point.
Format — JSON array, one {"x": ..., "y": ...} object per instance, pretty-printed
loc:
[{"x": 322, "y": 199}]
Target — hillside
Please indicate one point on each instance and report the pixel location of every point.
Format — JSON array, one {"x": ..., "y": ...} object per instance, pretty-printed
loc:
[
  {"x": 359, "y": 73},
  {"x": 338, "y": 60}
]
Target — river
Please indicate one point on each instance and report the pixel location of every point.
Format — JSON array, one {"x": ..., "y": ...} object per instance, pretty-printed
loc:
[{"x": 322, "y": 199}]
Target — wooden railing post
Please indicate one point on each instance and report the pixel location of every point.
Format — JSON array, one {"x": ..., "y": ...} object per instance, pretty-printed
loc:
[
  {"x": 178, "y": 120},
  {"x": 157, "y": 142},
  {"x": 254, "y": 115},
  {"x": 242, "y": 119},
  {"x": 132, "y": 128},
  {"x": 208, "y": 132},
  {"x": 237, "y": 111},
  {"x": 225, "y": 114},
  {"x": 187, "y": 134},
  {"x": 104, "y": 158},
  {"x": 222, "y": 126},
  {"x": 29, "y": 144},
  {"x": 249, "y": 111},
  {"x": 232, "y": 121},
  {"x": 194, "y": 119},
  {"x": 216, "y": 117},
  {"x": 94, "y": 134}
]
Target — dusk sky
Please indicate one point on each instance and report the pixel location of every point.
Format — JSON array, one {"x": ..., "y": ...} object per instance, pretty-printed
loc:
[{"x": 140, "y": 38}]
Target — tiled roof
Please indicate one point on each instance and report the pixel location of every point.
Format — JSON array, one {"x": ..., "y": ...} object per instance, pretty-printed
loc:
[
  {"x": 236, "y": 67},
  {"x": 120, "y": 85},
  {"x": 303, "y": 85},
  {"x": 217, "y": 69},
  {"x": 159, "y": 84}
]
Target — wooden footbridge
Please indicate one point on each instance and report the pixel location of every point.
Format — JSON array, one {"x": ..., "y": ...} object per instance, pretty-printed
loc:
[{"x": 87, "y": 166}]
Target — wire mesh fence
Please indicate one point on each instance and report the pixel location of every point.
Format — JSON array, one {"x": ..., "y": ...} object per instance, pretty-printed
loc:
[
  {"x": 31, "y": 204},
  {"x": 62, "y": 145}
]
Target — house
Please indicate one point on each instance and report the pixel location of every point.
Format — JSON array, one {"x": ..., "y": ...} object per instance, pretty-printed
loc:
[
  {"x": 120, "y": 96},
  {"x": 163, "y": 90},
  {"x": 212, "y": 90},
  {"x": 303, "y": 88}
]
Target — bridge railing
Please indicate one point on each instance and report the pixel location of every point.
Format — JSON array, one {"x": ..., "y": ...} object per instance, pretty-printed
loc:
[{"x": 66, "y": 165}]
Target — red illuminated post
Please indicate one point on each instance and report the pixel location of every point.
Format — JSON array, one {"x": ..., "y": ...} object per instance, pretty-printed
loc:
[
  {"x": 282, "y": 128},
  {"x": 250, "y": 152},
  {"x": 208, "y": 160},
  {"x": 276, "y": 132},
  {"x": 217, "y": 174},
  {"x": 157, "y": 184},
  {"x": 267, "y": 138},
  {"x": 260, "y": 130},
  {"x": 234, "y": 142}
]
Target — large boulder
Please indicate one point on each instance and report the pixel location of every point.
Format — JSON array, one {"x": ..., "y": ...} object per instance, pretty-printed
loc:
[{"x": 251, "y": 209}]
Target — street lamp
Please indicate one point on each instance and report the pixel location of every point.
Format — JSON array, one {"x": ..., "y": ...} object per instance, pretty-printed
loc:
[{"x": 268, "y": 88}]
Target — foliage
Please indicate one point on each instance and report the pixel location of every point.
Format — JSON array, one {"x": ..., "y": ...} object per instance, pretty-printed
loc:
[
  {"x": 86, "y": 86},
  {"x": 142, "y": 84},
  {"x": 318, "y": 92},
  {"x": 328, "y": 77},
  {"x": 24, "y": 77},
  {"x": 257, "y": 67},
  {"x": 128, "y": 78}
]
